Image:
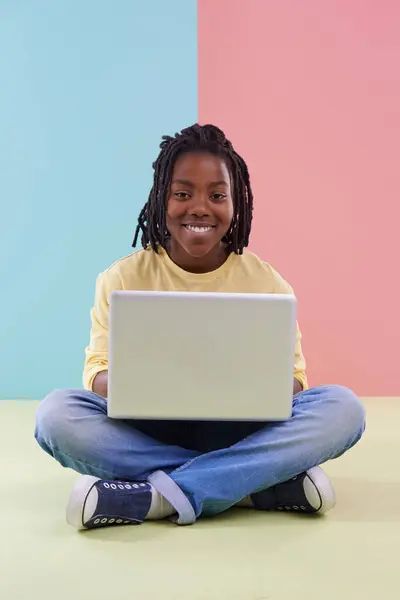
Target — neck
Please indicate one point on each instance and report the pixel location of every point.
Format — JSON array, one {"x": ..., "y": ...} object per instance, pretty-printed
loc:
[{"x": 193, "y": 264}]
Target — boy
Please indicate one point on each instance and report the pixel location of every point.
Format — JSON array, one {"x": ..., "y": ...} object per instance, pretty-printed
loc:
[{"x": 194, "y": 228}]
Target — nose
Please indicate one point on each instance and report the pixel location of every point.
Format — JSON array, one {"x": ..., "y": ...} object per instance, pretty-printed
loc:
[{"x": 199, "y": 205}]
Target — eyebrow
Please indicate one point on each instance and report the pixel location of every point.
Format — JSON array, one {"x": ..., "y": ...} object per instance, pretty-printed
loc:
[
  {"x": 191, "y": 184},
  {"x": 220, "y": 182},
  {"x": 184, "y": 182}
]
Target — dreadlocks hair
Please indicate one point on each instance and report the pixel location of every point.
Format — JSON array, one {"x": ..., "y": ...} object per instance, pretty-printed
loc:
[{"x": 197, "y": 138}]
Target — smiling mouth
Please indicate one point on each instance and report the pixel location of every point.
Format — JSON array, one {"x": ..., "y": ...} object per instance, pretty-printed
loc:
[{"x": 199, "y": 228}]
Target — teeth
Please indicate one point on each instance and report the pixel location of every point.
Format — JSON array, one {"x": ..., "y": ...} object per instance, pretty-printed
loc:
[{"x": 198, "y": 229}]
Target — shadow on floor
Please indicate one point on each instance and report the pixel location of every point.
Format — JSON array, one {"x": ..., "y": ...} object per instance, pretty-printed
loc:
[
  {"x": 366, "y": 500},
  {"x": 358, "y": 501}
]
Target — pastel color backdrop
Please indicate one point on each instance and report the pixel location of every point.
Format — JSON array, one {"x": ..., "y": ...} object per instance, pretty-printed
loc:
[
  {"x": 87, "y": 90},
  {"x": 308, "y": 92}
]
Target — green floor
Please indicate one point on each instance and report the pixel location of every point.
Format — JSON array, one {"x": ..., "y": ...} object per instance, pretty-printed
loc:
[{"x": 350, "y": 554}]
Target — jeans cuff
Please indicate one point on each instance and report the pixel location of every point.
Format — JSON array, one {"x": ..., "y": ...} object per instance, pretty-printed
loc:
[{"x": 173, "y": 493}]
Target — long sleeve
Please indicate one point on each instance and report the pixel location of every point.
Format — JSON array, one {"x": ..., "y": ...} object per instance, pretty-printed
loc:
[
  {"x": 281, "y": 286},
  {"x": 96, "y": 353},
  {"x": 299, "y": 361}
]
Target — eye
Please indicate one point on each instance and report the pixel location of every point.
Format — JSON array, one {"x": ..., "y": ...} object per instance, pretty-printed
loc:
[
  {"x": 182, "y": 195},
  {"x": 217, "y": 197}
]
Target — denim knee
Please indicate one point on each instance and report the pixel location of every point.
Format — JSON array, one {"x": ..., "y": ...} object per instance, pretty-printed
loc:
[
  {"x": 53, "y": 420},
  {"x": 349, "y": 410}
]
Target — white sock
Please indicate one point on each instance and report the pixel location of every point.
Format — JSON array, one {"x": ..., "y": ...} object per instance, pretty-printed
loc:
[
  {"x": 160, "y": 508},
  {"x": 246, "y": 502}
]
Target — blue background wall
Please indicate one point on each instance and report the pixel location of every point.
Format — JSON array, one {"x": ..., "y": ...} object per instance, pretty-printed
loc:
[{"x": 87, "y": 88}]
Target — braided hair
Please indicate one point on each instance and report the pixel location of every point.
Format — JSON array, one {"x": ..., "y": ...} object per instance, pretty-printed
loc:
[{"x": 197, "y": 138}]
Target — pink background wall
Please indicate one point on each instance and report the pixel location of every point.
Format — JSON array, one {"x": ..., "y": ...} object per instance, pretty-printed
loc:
[{"x": 309, "y": 93}]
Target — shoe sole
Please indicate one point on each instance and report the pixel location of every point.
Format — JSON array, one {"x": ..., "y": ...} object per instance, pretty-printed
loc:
[
  {"x": 77, "y": 499},
  {"x": 324, "y": 488}
]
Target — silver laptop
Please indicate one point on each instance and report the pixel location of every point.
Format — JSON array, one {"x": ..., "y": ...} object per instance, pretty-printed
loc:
[{"x": 178, "y": 355}]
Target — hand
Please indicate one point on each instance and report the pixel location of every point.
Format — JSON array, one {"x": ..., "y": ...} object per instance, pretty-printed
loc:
[
  {"x": 100, "y": 384},
  {"x": 297, "y": 387}
]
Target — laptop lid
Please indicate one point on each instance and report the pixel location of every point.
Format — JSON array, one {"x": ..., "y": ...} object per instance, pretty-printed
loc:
[{"x": 178, "y": 355}]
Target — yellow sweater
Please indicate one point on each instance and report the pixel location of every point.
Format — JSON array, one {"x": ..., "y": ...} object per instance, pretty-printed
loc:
[{"x": 145, "y": 270}]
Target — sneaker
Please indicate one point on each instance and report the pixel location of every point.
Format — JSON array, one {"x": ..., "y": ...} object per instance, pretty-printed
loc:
[
  {"x": 310, "y": 492},
  {"x": 96, "y": 502}
]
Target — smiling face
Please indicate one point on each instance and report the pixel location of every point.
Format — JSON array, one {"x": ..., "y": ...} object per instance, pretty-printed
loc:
[{"x": 199, "y": 211}]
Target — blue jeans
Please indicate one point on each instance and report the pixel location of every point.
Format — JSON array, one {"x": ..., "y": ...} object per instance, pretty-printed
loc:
[{"x": 214, "y": 464}]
